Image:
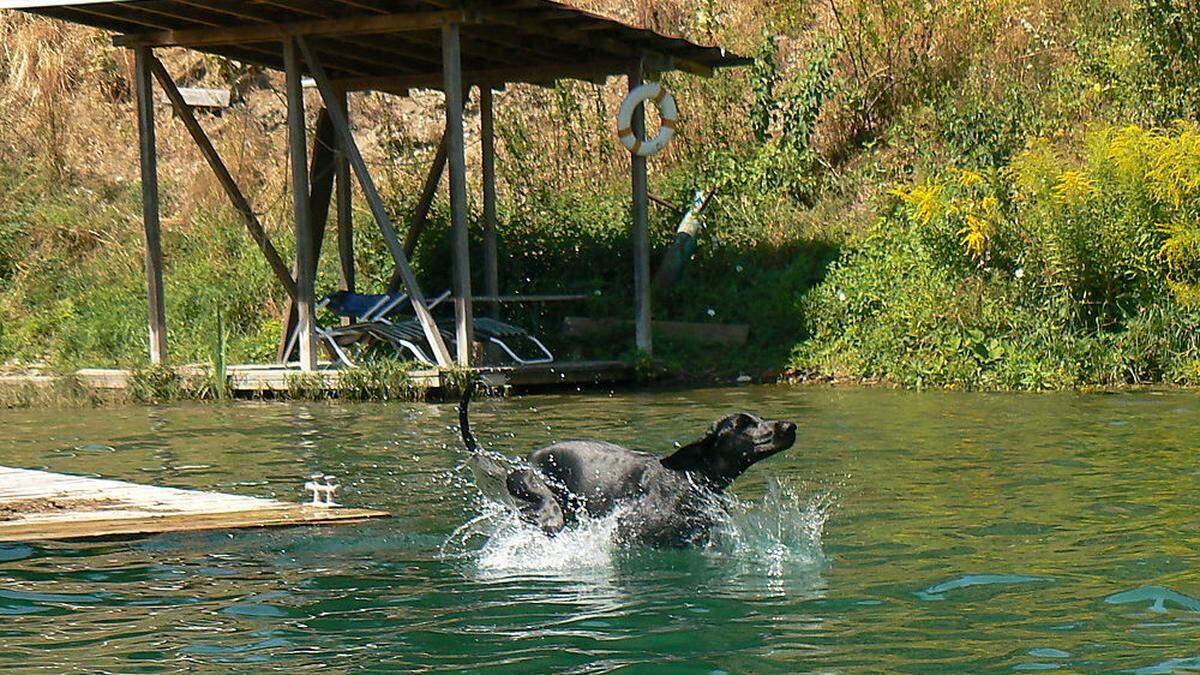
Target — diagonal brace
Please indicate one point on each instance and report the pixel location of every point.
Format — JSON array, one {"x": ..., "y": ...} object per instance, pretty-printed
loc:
[
  {"x": 342, "y": 126},
  {"x": 224, "y": 177}
]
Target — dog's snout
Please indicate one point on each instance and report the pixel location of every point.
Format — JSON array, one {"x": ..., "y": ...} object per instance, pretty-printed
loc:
[{"x": 785, "y": 427}]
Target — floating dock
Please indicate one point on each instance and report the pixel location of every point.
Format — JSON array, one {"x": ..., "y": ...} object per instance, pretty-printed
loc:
[{"x": 39, "y": 505}]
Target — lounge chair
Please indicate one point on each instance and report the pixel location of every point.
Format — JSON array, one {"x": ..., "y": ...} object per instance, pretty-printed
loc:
[
  {"x": 374, "y": 319},
  {"x": 371, "y": 313},
  {"x": 499, "y": 333}
]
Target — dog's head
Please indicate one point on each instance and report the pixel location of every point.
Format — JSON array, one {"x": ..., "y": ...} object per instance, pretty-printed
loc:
[{"x": 732, "y": 445}]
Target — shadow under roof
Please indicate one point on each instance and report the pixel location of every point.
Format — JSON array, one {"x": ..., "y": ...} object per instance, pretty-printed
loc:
[{"x": 396, "y": 44}]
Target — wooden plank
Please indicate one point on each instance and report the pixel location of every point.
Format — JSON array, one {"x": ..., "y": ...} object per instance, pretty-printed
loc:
[
  {"x": 487, "y": 142},
  {"x": 420, "y": 306},
  {"x": 41, "y": 505},
  {"x": 197, "y": 97},
  {"x": 729, "y": 334},
  {"x": 456, "y": 156},
  {"x": 590, "y": 71},
  {"x": 534, "y": 298},
  {"x": 345, "y": 208},
  {"x": 644, "y": 336},
  {"x": 240, "y": 35},
  {"x": 151, "y": 227},
  {"x": 306, "y": 267},
  {"x": 420, "y": 214},
  {"x": 224, "y": 177},
  {"x": 320, "y": 179}
]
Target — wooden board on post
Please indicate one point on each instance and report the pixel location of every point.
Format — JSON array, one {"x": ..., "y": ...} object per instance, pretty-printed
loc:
[
  {"x": 150, "y": 216},
  {"x": 298, "y": 155},
  {"x": 641, "y": 218},
  {"x": 487, "y": 142},
  {"x": 345, "y": 207},
  {"x": 456, "y": 157},
  {"x": 320, "y": 194},
  {"x": 342, "y": 126}
]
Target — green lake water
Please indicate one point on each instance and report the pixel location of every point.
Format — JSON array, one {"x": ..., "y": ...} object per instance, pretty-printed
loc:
[{"x": 906, "y": 531}]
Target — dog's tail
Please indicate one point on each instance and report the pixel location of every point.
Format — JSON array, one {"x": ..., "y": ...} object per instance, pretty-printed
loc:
[{"x": 464, "y": 422}]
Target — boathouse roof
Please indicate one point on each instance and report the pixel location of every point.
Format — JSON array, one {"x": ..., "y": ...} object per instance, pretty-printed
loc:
[{"x": 395, "y": 44}]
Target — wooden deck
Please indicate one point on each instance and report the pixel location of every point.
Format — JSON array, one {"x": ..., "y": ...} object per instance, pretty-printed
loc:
[
  {"x": 39, "y": 505},
  {"x": 265, "y": 379}
]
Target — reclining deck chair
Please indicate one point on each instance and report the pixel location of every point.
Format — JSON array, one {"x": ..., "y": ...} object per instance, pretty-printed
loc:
[{"x": 371, "y": 316}]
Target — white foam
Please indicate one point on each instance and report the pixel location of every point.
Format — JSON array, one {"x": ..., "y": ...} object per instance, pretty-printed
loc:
[{"x": 777, "y": 536}]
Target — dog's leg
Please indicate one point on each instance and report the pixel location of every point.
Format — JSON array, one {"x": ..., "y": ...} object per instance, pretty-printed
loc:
[{"x": 535, "y": 500}]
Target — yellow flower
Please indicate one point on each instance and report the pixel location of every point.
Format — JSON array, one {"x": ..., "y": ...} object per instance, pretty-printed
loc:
[
  {"x": 1074, "y": 187},
  {"x": 926, "y": 202},
  {"x": 969, "y": 178}
]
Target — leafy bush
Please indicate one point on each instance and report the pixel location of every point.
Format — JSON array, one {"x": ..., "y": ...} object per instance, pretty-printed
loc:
[{"x": 1060, "y": 268}]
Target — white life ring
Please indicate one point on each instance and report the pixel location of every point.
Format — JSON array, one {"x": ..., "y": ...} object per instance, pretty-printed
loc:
[{"x": 668, "y": 112}]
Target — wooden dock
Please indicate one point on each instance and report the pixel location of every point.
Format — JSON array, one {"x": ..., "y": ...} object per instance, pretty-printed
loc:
[
  {"x": 274, "y": 378},
  {"x": 39, "y": 505}
]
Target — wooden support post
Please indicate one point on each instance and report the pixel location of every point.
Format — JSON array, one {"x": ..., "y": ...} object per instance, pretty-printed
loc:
[
  {"x": 298, "y": 154},
  {"x": 320, "y": 180},
  {"x": 342, "y": 126},
  {"x": 487, "y": 140},
  {"x": 345, "y": 207},
  {"x": 641, "y": 218},
  {"x": 150, "y": 215},
  {"x": 257, "y": 233},
  {"x": 420, "y": 214},
  {"x": 455, "y": 153}
]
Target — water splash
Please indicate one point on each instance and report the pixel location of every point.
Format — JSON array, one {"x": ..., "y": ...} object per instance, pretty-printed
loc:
[
  {"x": 777, "y": 536},
  {"x": 780, "y": 533}
]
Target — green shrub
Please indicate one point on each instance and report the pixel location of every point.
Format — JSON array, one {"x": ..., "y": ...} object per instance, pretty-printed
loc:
[{"x": 1061, "y": 268}]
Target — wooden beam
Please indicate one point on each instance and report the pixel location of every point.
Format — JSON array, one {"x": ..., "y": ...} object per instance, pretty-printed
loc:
[
  {"x": 320, "y": 180},
  {"x": 340, "y": 123},
  {"x": 345, "y": 207},
  {"x": 298, "y": 155},
  {"x": 494, "y": 76},
  {"x": 420, "y": 214},
  {"x": 641, "y": 219},
  {"x": 355, "y": 25},
  {"x": 487, "y": 142},
  {"x": 213, "y": 158},
  {"x": 456, "y": 157},
  {"x": 150, "y": 215}
]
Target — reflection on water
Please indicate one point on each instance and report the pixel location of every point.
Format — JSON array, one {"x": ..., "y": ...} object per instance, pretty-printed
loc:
[{"x": 905, "y": 531}]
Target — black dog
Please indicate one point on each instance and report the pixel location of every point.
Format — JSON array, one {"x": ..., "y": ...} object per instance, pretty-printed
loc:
[{"x": 669, "y": 501}]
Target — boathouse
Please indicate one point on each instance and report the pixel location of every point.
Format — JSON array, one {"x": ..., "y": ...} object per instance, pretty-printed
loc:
[{"x": 393, "y": 46}]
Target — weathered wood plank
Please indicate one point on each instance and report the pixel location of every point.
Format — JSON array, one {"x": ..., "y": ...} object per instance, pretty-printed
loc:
[
  {"x": 151, "y": 226},
  {"x": 345, "y": 208},
  {"x": 644, "y": 336},
  {"x": 41, "y": 505},
  {"x": 487, "y": 142},
  {"x": 197, "y": 97},
  {"x": 456, "y": 156},
  {"x": 355, "y": 25},
  {"x": 306, "y": 267},
  {"x": 590, "y": 71},
  {"x": 420, "y": 215},
  {"x": 730, "y": 334},
  {"x": 320, "y": 178}
]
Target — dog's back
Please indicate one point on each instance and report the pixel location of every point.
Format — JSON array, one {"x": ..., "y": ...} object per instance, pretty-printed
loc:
[{"x": 595, "y": 474}]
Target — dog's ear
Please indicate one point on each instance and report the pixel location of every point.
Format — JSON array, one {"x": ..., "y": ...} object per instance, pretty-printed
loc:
[{"x": 690, "y": 456}]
